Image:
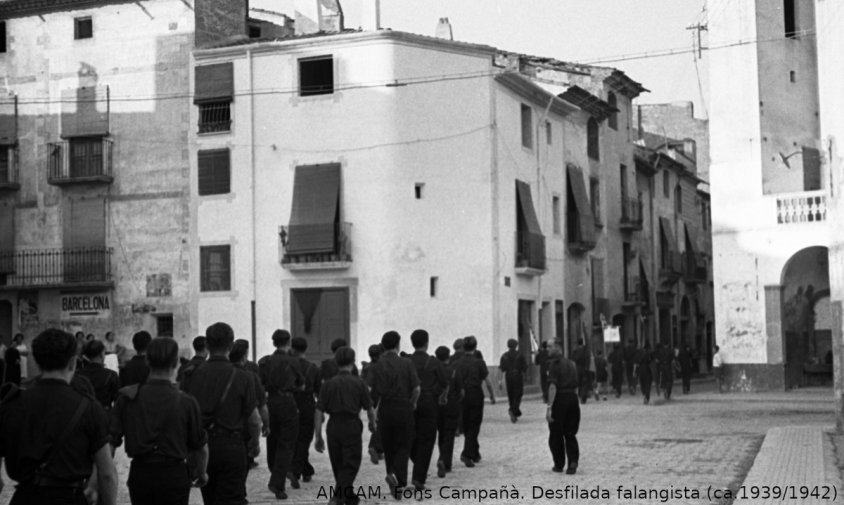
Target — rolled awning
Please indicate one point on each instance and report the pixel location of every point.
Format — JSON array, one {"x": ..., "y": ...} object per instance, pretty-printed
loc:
[
  {"x": 585, "y": 218},
  {"x": 690, "y": 241},
  {"x": 525, "y": 202},
  {"x": 313, "y": 218},
  {"x": 214, "y": 83},
  {"x": 668, "y": 234}
]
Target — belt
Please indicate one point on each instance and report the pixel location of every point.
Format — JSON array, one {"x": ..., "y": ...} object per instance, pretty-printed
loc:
[
  {"x": 44, "y": 481},
  {"x": 157, "y": 459}
]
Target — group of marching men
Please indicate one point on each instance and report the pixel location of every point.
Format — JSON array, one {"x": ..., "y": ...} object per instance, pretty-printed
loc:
[{"x": 200, "y": 424}]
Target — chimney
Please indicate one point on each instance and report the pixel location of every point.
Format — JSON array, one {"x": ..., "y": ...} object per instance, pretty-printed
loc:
[
  {"x": 219, "y": 21},
  {"x": 370, "y": 15},
  {"x": 330, "y": 16},
  {"x": 444, "y": 30}
]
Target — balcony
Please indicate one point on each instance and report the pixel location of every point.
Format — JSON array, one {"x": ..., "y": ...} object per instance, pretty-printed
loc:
[
  {"x": 215, "y": 117},
  {"x": 694, "y": 269},
  {"x": 804, "y": 207},
  {"x": 580, "y": 246},
  {"x": 56, "y": 268},
  {"x": 339, "y": 258},
  {"x": 80, "y": 160},
  {"x": 530, "y": 253},
  {"x": 635, "y": 295},
  {"x": 9, "y": 169},
  {"x": 631, "y": 214},
  {"x": 671, "y": 268}
]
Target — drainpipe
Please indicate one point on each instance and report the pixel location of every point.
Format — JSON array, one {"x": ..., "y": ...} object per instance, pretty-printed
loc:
[
  {"x": 252, "y": 311},
  {"x": 496, "y": 239},
  {"x": 539, "y": 204}
]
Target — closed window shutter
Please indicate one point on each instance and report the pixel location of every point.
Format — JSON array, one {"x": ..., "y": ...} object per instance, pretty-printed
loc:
[
  {"x": 315, "y": 213},
  {"x": 85, "y": 112},
  {"x": 811, "y": 169},
  {"x": 84, "y": 223},
  {"x": 7, "y": 238},
  {"x": 8, "y": 120},
  {"x": 214, "y": 172},
  {"x": 214, "y": 83},
  {"x": 526, "y": 207},
  {"x": 585, "y": 218}
]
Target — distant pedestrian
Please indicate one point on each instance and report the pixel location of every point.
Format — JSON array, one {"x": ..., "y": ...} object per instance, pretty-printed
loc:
[
  {"x": 52, "y": 437},
  {"x": 394, "y": 387},
  {"x": 23, "y": 351},
  {"x": 305, "y": 397},
  {"x": 329, "y": 366},
  {"x": 136, "y": 369},
  {"x": 200, "y": 355},
  {"x": 162, "y": 427},
  {"x": 684, "y": 362},
  {"x": 455, "y": 357},
  {"x": 563, "y": 413},
  {"x": 475, "y": 375},
  {"x": 114, "y": 353},
  {"x": 581, "y": 357},
  {"x": 433, "y": 380},
  {"x": 227, "y": 401},
  {"x": 104, "y": 381},
  {"x": 616, "y": 361},
  {"x": 342, "y": 398},
  {"x": 376, "y": 448},
  {"x": 450, "y": 401},
  {"x": 666, "y": 370},
  {"x": 631, "y": 355},
  {"x": 601, "y": 375},
  {"x": 644, "y": 372},
  {"x": 541, "y": 361},
  {"x": 717, "y": 371},
  {"x": 513, "y": 367}
]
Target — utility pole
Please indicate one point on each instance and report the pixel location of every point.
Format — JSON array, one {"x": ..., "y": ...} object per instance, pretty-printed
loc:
[{"x": 696, "y": 38}]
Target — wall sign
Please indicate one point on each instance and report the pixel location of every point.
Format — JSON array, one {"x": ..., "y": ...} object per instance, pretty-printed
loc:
[{"x": 85, "y": 305}]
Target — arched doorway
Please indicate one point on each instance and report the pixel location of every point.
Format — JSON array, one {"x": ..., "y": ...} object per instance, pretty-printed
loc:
[{"x": 805, "y": 286}]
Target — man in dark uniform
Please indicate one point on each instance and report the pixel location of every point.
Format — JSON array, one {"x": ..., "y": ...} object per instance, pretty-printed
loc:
[
  {"x": 162, "y": 425},
  {"x": 136, "y": 369},
  {"x": 666, "y": 370},
  {"x": 281, "y": 377},
  {"x": 200, "y": 355},
  {"x": 475, "y": 375},
  {"x": 513, "y": 368},
  {"x": 563, "y": 413},
  {"x": 580, "y": 356},
  {"x": 631, "y": 355},
  {"x": 376, "y": 448},
  {"x": 329, "y": 366},
  {"x": 342, "y": 398},
  {"x": 300, "y": 467},
  {"x": 455, "y": 357},
  {"x": 227, "y": 401},
  {"x": 616, "y": 361},
  {"x": 684, "y": 360},
  {"x": 541, "y": 361},
  {"x": 451, "y": 402},
  {"x": 104, "y": 381},
  {"x": 52, "y": 437},
  {"x": 238, "y": 358},
  {"x": 644, "y": 371},
  {"x": 394, "y": 387},
  {"x": 432, "y": 381}
]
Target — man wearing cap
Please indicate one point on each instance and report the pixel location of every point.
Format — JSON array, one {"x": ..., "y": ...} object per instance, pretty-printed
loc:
[
  {"x": 136, "y": 369},
  {"x": 301, "y": 468},
  {"x": 342, "y": 398},
  {"x": 394, "y": 387},
  {"x": 450, "y": 403},
  {"x": 513, "y": 368},
  {"x": 200, "y": 355},
  {"x": 475, "y": 376},
  {"x": 432, "y": 381},
  {"x": 329, "y": 366},
  {"x": 563, "y": 413}
]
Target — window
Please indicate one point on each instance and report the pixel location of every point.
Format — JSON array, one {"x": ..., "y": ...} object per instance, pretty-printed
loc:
[
  {"x": 215, "y": 117},
  {"x": 527, "y": 121},
  {"x": 789, "y": 8},
  {"x": 595, "y": 196},
  {"x": 666, "y": 181},
  {"x": 555, "y": 213},
  {"x": 83, "y": 28},
  {"x": 316, "y": 76},
  {"x": 254, "y": 31},
  {"x": 703, "y": 215},
  {"x": 215, "y": 268},
  {"x": 418, "y": 189},
  {"x": 678, "y": 199},
  {"x": 792, "y": 76},
  {"x": 86, "y": 156},
  {"x": 612, "y": 121},
  {"x": 213, "y": 94},
  {"x": 549, "y": 133},
  {"x": 5, "y": 166},
  {"x": 214, "y": 172},
  {"x": 592, "y": 139},
  {"x": 433, "y": 286},
  {"x": 2, "y": 36},
  {"x": 164, "y": 325}
]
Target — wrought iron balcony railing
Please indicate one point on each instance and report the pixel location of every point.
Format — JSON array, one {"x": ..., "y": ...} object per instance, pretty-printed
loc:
[
  {"x": 215, "y": 117},
  {"x": 339, "y": 255},
  {"x": 9, "y": 168},
  {"x": 694, "y": 269},
  {"x": 631, "y": 213},
  {"x": 530, "y": 250},
  {"x": 671, "y": 267},
  {"x": 56, "y": 267},
  {"x": 80, "y": 160}
]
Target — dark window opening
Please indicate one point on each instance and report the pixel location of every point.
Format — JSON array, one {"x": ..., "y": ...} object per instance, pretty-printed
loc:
[
  {"x": 678, "y": 199},
  {"x": 612, "y": 121},
  {"x": 316, "y": 76},
  {"x": 625, "y": 261},
  {"x": 527, "y": 121},
  {"x": 792, "y": 76},
  {"x": 595, "y": 198},
  {"x": 434, "y": 286},
  {"x": 215, "y": 268},
  {"x": 215, "y": 117},
  {"x": 5, "y": 167},
  {"x": 789, "y": 8},
  {"x": 593, "y": 139},
  {"x": 549, "y": 133},
  {"x": 418, "y": 190},
  {"x": 83, "y": 28},
  {"x": 86, "y": 156},
  {"x": 254, "y": 31},
  {"x": 164, "y": 325},
  {"x": 2, "y": 36},
  {"x": 214, "y": 172},
  {"x": 666, "y": 181},
  {"x": 555, "y": 209}
]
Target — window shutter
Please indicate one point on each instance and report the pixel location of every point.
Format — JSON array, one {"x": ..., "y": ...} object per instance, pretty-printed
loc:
[
  {"x": 585, "y": 218},
  {"x": 214, "y": 83},
  {"x": 526, "y": 207},
  {"x": 314, "y": 216},
  {"x": 85, "y": 112},
  {"x": 8, "y": 120},
  {"x": 84, "y": 223},
  {"x": 811, "y": 169},
  {"x": 214, "y": 172},
  {"x": 7, "y": 238}
]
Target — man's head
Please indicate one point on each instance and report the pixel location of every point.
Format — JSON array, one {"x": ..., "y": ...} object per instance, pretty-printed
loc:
[
  {"x": 17, "y": 339},
  {"x": 375, "y": 351},
  {"x": 281, "y": 338},
  {"x": 54, "y": 350},
  {"x": 419, "y": 339},
  {"x": 442, "y": 353},
  {"x": 470, "y": 343},
  {"x": 140, "y": 341},
  {"x": 299, "y": 345},
  {"x": 557, "y": 347},
  {"x": 458, "y": 344},
  {"x": 543, "y": 345},
  {"x": 219, "y": 338},
  {"x": 109, "y": 336},
  {"x": 717, "y": 348},
  {"x": 345, "y": 357},
  {"x": 94, "y": 351},
  {"x": 200, "y": 347},
  {"x": 163, "y": 354},
  {"x": 337, "y": 343},
  {"x": 512, "y": 344},
  {"x": 239, "y": 350},
  {"x": 390, "y": 340},
  {"x": 580, "y": 341}
]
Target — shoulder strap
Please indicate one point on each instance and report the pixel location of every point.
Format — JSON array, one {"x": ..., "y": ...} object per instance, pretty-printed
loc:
[
  {"x": 69, "y": 427},
  {"x": 222, "y": 399}
]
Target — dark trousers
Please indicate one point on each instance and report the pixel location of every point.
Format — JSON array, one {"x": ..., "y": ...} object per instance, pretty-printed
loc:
[
  {"x": 473, "y": 416},
  {"x": 631, "y": 380},
  {"x": 617, "y": 380},
  {"x": 515, "y": 390},
  {"x": 159, "y": 483},
  {"x": 667, "y": 378},
  {"x": 32, "y": 495},
  {"x": 375, "y": 441},
  {"x": 447, "y": 419},
  {"x": 543, "y": 383},
  {"x": 425, "y": 418},
  {"x": 687, "y": 380},
  {"x": 300, "y": 465},
  {"x": 344, "y": 451},
  {"x": 281, "y": 442},
  {"x": 562, "y": 436},
  {"x": 645, "y": 379},
  {"x": 397, "y": 431},
  {"x": 584, "y": 381},
  {"x": 226, "y": 471}
]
